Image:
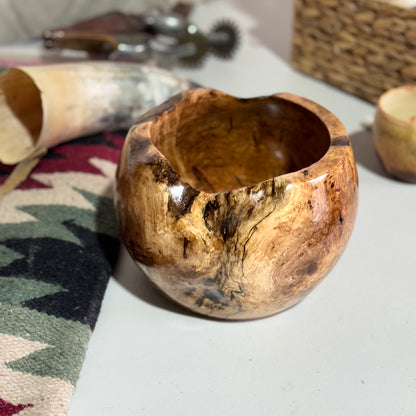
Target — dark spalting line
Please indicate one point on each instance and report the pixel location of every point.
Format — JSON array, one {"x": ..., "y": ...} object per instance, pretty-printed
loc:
[
  {"x": 215, "y": 296},
  {"x": 222, "y": 216},
  {"x": 240, "y": 291},
  {"x": 340, "y": 141},
  {"x": 250, "y": 210},
  {"x": 189, "y": 291},
  {"x": 216, "y": 281},
  {"x": 219, "y": 278},
  {"x": 251, "y": 232},
  {"x": 184, "y": 205},
  {"x": 231, "y": 124},
  {"x": 229, "y": 226},
  {"x": 163, "y": 173},
  {"x": 185, "y": 244},
  {"x": 209, "y": 212},
  {"x": 277, "y": 191},
  {"x": 249, "y": 189},
  {"x": 227, "y": 197}
]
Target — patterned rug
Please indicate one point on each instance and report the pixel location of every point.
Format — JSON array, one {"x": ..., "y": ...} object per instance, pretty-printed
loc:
[{"x": 58, "y": 243}]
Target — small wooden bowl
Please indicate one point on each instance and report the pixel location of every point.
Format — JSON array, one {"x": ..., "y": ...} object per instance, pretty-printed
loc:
[
  {"x": 236, "y": 208},
  {"x": 394, "y": 132}
]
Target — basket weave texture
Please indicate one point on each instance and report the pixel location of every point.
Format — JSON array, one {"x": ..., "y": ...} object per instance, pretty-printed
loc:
[{"x": 364, "y": 47}]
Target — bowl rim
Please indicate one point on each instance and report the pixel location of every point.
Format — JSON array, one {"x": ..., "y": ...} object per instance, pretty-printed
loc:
[
  {"x": 338, "y": 136},
  {"x": 388, "y": 115}
]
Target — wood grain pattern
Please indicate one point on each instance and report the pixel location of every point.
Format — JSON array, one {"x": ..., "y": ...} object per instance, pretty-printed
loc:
[{"x": 236, "y": 208}]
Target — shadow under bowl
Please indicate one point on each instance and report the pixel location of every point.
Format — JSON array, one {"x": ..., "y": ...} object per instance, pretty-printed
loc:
[{"x": 236, "y": 208}]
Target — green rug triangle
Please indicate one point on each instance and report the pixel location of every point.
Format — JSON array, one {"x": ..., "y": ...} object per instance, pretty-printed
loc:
[
  {"x": 106, "y": 218},
  {"x": 51, "y": 220},
  {"x": 8, "y": 256},
  {"x": 15, "y": 291},
  {"x": 48, "y": 224},
  {"x": 62, "y": 359}
]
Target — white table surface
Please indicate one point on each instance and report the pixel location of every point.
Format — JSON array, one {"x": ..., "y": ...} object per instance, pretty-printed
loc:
[{"x": 348, "y": 349}]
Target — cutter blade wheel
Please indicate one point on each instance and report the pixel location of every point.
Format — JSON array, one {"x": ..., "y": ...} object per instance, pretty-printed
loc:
[{"x": 224, "y": 39}]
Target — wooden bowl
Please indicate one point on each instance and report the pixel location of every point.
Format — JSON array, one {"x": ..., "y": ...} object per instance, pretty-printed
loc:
[
  {"x": 236, "y": 208},
  {"x": 394, "y": 132}
]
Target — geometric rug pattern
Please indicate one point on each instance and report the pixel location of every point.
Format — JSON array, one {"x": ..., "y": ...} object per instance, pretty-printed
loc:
[{"x": 58, "y": 245}]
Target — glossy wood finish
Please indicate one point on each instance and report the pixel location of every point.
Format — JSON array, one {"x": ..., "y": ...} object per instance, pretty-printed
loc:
[
  {"x": 394, "y": 132},
  {"x": 236, "y": 208}
]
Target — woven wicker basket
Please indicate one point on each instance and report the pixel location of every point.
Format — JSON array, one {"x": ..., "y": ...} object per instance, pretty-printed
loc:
[{"x": 364, "y": 47}]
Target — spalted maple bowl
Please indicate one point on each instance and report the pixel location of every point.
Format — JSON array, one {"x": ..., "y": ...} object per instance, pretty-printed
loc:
[{"x": 236, "y": 208}]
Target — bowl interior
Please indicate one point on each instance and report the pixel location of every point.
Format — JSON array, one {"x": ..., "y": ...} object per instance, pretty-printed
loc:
[
  {"x": 400, "y": 103},
  {"x": 218, "y": 143}
]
